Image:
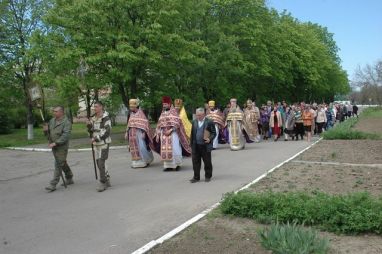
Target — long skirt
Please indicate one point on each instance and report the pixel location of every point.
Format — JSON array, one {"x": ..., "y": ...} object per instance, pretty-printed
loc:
[{"x": 276, "y": 130}]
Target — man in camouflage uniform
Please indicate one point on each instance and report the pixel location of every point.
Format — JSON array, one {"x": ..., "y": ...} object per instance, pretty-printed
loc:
[
  {"x": 99, "y": 128},
  {"x": 58, "y": 132}
]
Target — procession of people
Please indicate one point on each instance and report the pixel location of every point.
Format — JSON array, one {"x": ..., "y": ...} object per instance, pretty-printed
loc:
[{"x": 176, "y": 137}]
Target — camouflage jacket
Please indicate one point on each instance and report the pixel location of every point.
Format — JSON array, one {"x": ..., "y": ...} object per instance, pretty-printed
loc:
[{"x": 59, "y": 131}]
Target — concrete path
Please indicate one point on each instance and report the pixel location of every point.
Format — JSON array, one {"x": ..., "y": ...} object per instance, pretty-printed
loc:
[{"x": 142, "y": 204}]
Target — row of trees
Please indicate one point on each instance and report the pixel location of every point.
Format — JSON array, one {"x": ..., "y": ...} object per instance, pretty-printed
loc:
[
  {"x": 195, "y": 50},
  {"x": 367, "y": 84}
]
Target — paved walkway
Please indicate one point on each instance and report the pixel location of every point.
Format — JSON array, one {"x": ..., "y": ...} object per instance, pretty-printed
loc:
[{"x": 142, "y": 204}]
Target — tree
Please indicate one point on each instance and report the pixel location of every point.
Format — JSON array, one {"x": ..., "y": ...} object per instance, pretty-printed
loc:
[
  {"x": 195, "y": 50},
  {"x": 369, "y": 80},
  {"x": 20, "y": 19}
]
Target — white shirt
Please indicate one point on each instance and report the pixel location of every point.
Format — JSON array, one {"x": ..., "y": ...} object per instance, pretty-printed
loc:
[{"x": 200, "y": 123}]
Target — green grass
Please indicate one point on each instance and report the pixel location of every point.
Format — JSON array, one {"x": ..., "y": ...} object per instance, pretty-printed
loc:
[
  {"x": 372, "y": 112},
  {"x": 351, "y": 214},
  {"x": 292, "y": 238},
  {"x": 345, "y": 129},
  {"x": 18, "y": 137}
]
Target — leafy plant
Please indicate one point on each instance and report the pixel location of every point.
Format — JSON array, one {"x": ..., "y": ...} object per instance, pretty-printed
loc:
[
  {"x": 292, "y": 238},
  {"x": 353, "y": 213}
]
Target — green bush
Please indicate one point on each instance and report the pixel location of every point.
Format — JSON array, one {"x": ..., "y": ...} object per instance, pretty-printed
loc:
[
  {"x": 351, "y": 214},
  {"x": 292, "y": 239}
]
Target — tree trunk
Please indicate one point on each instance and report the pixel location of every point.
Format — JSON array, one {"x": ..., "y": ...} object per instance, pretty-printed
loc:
[
  {"x": 70, "y": 114},
  {"x": 122, "y": 92},
  {"x": 133, "y": 87},
  {"x": 29, "y": 106},
  {"x": 88, "y": 104},
  {"x": 30, "y": 120}
]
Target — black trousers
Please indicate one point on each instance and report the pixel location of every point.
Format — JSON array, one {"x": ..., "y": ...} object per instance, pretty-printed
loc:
[
  {"x": 197, "y": 155},
  {"x": 300, "y": 130},
  {"x": 319, "y": 127}
]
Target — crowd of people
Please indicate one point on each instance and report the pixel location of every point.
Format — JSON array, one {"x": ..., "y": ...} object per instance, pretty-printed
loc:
[{"x": 175, "y": 137}]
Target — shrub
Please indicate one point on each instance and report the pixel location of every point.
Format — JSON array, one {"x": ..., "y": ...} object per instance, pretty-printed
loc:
[
  {"x": 353, "y": 213},
  {"x": 291, "y": 239}
]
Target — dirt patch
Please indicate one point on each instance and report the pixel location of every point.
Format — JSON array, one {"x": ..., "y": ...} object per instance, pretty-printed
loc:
[
  {"x": 370, "y": 125},
  {"x": 363, "y": 244},
  {"x": 224, "y": 234},
  {"x": 346, "y": 151},
  {"x": 331, "y": 179},
  {"x": 216, "y": 235}
]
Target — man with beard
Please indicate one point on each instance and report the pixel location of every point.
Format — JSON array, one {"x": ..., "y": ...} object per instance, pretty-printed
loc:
[
  {"x": 217, "y": 117},
  {"x": 234, "y": 124},
  {"x": 250, "y": 122},
  {"x": 138, "y": 136},
  {"x": 170, "y": 139}
]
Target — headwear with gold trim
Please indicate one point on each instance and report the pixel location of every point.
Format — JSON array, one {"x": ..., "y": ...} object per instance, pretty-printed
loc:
[
  {"x": 133, "y": 103},
  {"x": 166, "y": 99},
  {"x": 178, "y": 103},
  {"x": 211, "y": 103}
]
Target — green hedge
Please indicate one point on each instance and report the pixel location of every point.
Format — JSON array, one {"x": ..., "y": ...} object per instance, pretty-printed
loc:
[{"x": 351, "y": 214}]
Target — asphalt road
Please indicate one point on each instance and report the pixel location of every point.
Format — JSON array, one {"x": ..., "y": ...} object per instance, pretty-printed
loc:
[{"x": 142, "y": 205}]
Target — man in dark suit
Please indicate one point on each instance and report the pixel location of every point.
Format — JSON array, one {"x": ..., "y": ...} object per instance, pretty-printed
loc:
[{"x": 203, "y": 133}]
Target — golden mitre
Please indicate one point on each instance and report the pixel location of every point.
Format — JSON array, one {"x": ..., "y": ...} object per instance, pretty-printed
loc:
[
  {"x": 211, "y": 103},
  {"x": 178, "y": 103},
  {"x": 133, "y": 103}
]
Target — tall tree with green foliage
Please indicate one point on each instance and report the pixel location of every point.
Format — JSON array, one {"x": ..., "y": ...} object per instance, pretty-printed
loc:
[
  {"x": 20, "y": 19},
  {"x": 195, "y": 50}
]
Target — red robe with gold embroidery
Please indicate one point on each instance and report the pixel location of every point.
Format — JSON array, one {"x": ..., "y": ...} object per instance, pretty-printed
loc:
[{"x": 170, "y": 120}]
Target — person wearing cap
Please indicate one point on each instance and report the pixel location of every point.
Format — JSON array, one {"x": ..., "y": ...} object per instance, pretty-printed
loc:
[
  {"x": 170, "y": 138},
  {"x": 217, "y": 118},
  {"x": 99, "y": 127},
  {"x": 178, "y": 104},
  {"x": 234, "y": 123},
  {"x": 138, "y": 136}
]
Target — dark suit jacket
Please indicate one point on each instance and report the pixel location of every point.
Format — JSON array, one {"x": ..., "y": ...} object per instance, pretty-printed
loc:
[{"x": 210, "y": 126}]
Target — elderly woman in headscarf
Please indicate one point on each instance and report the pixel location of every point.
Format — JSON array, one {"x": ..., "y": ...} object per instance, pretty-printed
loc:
[
  {"x": 276, "y": 123},
  {"x": 289, "y": 123}
]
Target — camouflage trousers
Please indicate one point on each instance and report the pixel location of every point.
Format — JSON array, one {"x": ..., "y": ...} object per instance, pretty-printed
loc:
[
  {"x": 102, "y": 154},
  {"x": 60, "y": 165}
]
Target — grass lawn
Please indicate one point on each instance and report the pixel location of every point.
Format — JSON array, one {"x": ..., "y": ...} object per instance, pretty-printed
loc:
[
  {"x": 372, "y": 112},
  {"x": 364, "y": 127},
  {"x": 18, "y": 137}
]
